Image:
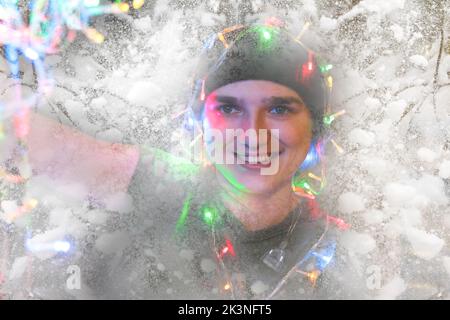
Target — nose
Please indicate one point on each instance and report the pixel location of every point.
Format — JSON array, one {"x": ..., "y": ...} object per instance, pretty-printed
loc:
[
  {"x": 255, "y": 121},
  {"x": 255, "y": 132}
]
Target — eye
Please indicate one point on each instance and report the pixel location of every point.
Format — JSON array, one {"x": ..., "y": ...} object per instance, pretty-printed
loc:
[
  {"x": 280, "y": 110},
  {"x": 228, "y": 109}
]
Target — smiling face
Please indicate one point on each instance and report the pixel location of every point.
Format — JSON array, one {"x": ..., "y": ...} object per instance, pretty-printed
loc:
[{"x": 256, "y": 105}]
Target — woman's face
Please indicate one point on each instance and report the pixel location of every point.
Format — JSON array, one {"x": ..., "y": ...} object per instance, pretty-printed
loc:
[{"x": 256, "y": 105}]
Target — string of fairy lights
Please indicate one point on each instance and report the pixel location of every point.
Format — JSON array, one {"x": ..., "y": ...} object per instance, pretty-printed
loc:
[
  {"x": 306, "y": 183},
  {"x": 53, "y": 24},
  {"x": 47, "y": 29}
]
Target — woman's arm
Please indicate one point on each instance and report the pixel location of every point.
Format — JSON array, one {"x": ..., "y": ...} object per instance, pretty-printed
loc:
[{"x": 66, "y": 154}]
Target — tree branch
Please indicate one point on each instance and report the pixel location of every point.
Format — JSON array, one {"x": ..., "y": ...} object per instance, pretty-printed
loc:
[
  {"x": 441, "y": 48},
  {"x": 438, "y": 62}
]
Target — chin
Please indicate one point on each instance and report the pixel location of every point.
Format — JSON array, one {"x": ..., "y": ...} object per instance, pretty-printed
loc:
[{"x": 255, "y": 183}]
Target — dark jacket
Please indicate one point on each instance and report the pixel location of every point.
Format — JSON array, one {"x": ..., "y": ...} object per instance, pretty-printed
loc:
[{"x": 176, "y": 254}]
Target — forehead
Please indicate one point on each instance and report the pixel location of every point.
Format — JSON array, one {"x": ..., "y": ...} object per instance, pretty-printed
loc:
[{"x": 254, "y": 90}]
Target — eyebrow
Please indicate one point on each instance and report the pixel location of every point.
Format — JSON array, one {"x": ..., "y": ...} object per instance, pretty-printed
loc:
[
  {"x": 270, "y": 100},
  {"x": 283, "y": 100}
]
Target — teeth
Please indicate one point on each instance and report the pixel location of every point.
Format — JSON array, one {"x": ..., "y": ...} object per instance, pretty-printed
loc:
[{"x": 255, "y": 159}]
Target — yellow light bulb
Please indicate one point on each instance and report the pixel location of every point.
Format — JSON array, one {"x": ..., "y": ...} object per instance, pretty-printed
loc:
[
  {"x": 31, "y": 204},
  {"x": 222, "y": 39},
  {"x": 338, "y": 148},
  {"x": 94, "y": 35},
  {"x": 313, "y": 276},
  {"x": 339, "y": 113},
  {"x": 330, "y": 82},
  {"x": 137, "y": 4},
  {"x": 305, "y": 27},
  {"x": 312, "y": 175},
  {"x": 124, "y": 7}
]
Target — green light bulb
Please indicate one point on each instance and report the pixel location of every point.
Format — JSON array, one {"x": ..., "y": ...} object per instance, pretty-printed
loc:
[
  {"x": 267, "y": 35},
  {"x": 328, "y": 119},
  {"x": 209, "y": 215},
  {"x": 326, "y": 67}
]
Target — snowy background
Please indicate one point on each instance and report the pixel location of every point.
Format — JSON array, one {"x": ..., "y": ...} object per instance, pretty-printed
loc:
[{"x": 391, "y": 75}]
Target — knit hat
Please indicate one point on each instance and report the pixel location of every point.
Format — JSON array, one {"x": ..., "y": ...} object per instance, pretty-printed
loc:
[{"x": 261, "y": 52}]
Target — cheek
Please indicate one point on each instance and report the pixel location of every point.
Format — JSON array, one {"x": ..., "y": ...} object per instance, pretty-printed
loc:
[
  {"x": 214, "y": 119},
  {"x": 214, "y": 128},
  {"x": 295, "y": 137},
  {"x": 215, "y": 122},
  {"x": 296, "y": 140}
]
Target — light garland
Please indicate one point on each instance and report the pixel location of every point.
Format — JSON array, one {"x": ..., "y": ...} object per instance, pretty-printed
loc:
[
  {"x": 52, "y": 24},
  {"x": 307, "y": 183}
]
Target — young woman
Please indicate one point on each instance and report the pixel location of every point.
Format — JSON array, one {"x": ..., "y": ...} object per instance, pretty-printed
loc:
[{"x": 220, "y": 229}]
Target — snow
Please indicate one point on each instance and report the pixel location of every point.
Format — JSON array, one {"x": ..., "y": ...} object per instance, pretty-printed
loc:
[
  {"x": 446, "y": 220},
  {"x": 372, "y": 103},
  {"x": 395, "y": 109},
  {"x": 141, "y": 92},
  {"x": 73, "y": 107},
  {"x": 424, "y": 244},
  {"x": 390, "y": 291},
  {"x": 258, "y": 287},
  {"x": 207, "y": 265},
  {"x": 358, "y": 242},
  {"x": 416, "y": 193},
  {"x": 398, "y": 194},
  {"x": 383, "y": 131},
  {"x": 149, "y": 253},
  {"x": 114, "y": 242},
  {"x": 86, "y": 68},
  {"x": 427, "y": 155},
  {"x": 419, "y": 61},
  {"x": 98, "y": 217},
  {"x": 18, "y": 268},
  {"x": 327, "y": 24},
  {"x": 120, "y": 202},
  {"x": 375, "y": 166},
  {"x": 55, "y": 193},
  {"x": 143, "y": 24},
  {"x": 310, "y": 8},
  {"x": 99, "y": 102},
  {"x": 443, "y": 73},
  {"x": 362, "y": 137},
  {"x": 411, "y": 217},
  {"x": 350, "y": 202},
  {"x": 446, "y": 262},
  {"x": 391, "y": 183},
  {"x": 373, "y": 216},
  {"x": 398, "y": 32},
  {"x": 433, "y": 188},
  {"x": 444, "y": 169},
  {"x": 187, "y": 254},
  {"x": 161, "y": 267},
  {"x": 112, "y": 135},
  {"x": 381, "y": 6},
  {"x": 9, "y": 207},
  {"x": 59, "y": 216}
]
